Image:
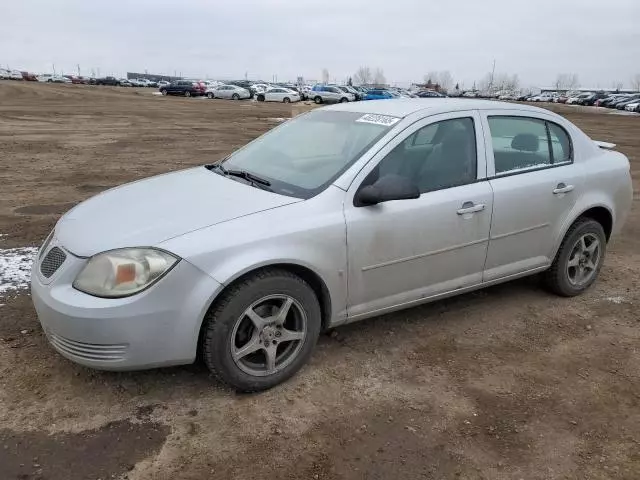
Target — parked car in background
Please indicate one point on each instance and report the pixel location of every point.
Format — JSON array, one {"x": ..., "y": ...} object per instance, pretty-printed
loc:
[
  {"x": 609, "y": 101},
  {"x": 49, "y": 78},
  {"x": 633, "y": 106},
  {"x": 577, "y": 98},
  {"x": 14, "y": 75},
  {"x": 545, "y": 97},
  {"x": 112, "y": 81},
  {"x": 329, "y": 94},
  {"x": 29, "y": 77},
  {"x": 163, "y": 83},
  {"x": 630, "y": 99},
  {"x": 246, "y": 261},
  {"x": 378, "y": 94},
  {"x": 77, "y": 80},
  {"x": 185, "y": 88},
  {"x": 246, "y": 84},
  {"x": 232, "y": 92},
  {"x": 350, "y": 90},
  {"x": 123, "y": 82},
  {"x": 592, "y": 98},
  {"x": 429, "y": 94},
  {"x": 278, "y": 94}
]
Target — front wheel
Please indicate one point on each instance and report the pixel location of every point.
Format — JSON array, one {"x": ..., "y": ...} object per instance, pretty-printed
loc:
[
  {"x": 187, "y": 93},
  {"x": 579, "y": 259},
  {"x": 210, "y": 95},
  {"x": 344, "y": 100},
  {"x": 260, "y": 98},
  {"x": 318, "y": 99},
  {"x": 235, "y": 96},
  {"x": 286, "y": 100},
  {"x": 262, "y": 330},
  {"x": 163, "y": 92}
]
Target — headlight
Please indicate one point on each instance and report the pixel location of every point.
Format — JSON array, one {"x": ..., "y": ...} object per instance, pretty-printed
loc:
[{"x": 123, "y": 272}]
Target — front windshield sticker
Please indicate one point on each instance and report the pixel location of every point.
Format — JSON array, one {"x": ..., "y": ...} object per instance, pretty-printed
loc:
[{"x": 385, "y": 120}]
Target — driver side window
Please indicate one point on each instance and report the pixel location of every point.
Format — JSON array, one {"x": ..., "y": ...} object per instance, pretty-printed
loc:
[{"x": 439, "y": 155}]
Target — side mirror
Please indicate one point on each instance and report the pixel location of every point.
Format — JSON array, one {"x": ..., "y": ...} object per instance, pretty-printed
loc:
[{"x": 385, "y": 189}]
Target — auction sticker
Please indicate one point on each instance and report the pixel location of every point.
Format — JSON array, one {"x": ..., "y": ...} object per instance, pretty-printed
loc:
[{"x": 385, "y": 120}]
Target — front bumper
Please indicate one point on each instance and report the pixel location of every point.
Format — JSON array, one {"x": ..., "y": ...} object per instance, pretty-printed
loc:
[{"x": 157, "y": 327}]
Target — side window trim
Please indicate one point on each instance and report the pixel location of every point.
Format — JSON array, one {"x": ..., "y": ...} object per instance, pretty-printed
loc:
[
  {"x": 484, "y": 122},
  {"x": 404, "y": 134}
]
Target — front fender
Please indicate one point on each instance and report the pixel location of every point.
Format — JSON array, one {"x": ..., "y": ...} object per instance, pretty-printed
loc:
[{"x": 309, "y": 234}]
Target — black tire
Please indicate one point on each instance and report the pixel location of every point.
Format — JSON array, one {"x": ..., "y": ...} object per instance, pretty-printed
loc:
[
  {"x": 286, "y": 100},
  {"x": 219, "y": 323},
  {"x": 317, "y": 99},
  {"x": 557, "y": 277},
  {"x": 187, "y": 93},
  {"x": 235, "y": 96},
  {"x": 344, "y": 100},
  {"x": 163, "y": 91},
  {"x": 260, "y": 98},
  {"x": 210, "y": 95},
  {"x": 49, "y": 81}
]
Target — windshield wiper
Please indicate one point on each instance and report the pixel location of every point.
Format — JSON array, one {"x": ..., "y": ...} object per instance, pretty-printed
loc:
[
  {"x": 255, "y": 180},
  {"x": 247, "y": 176}
]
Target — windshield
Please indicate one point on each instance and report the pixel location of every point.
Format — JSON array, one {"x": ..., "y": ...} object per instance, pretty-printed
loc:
[{"x": 304, "y": 155}]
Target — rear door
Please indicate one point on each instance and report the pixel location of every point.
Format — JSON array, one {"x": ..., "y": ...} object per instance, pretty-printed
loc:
[{"x": 535, "y": 185}]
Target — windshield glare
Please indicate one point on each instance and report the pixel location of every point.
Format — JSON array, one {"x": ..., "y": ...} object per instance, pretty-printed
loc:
[{"x": 306, "y": 154}]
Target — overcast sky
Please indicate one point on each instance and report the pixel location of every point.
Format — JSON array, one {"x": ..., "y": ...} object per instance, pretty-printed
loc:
[{"x": 599, "y": 40}]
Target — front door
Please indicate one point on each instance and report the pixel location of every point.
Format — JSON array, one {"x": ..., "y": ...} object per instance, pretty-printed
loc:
[
  {"x": 404, "y": 251},
  {"x": 535, "y": 185}
]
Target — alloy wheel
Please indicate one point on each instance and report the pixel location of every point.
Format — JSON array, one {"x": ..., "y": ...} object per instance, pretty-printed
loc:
[
  {"x": 269, "y": 335},
  {"x": 583, "y": 260}
]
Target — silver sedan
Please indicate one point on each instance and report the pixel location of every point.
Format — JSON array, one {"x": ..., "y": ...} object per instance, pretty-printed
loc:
[
  {"x": 229, "y": 92},
  {"x": 340, "y": 214}
]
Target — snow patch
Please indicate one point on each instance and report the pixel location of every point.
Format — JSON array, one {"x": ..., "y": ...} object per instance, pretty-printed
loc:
[
  {"x": 277, "y": 119},
  {"x": 617, "y": 300},
  {"x": 15, "y": 268}
]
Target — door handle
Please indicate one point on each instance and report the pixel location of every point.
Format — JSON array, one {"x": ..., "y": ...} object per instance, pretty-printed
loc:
[
  {"x": 470, "y": 207},
  {"x": 562, "y": 188}
]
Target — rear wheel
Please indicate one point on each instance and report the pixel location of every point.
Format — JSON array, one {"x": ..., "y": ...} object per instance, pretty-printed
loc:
[
  {"x": 209, "y": 95},
  {"x": 187, "y": 93},
  {"x": 318, "y": 99},
  {"x": 262, "y": 330},
  {"x": 344, "y": 100},
  {"x": 286, "y": 100},
  {"x": 235, "y": 96},
  {"x": 260, "y": 98},
  {"x": 579, "y": 259}
]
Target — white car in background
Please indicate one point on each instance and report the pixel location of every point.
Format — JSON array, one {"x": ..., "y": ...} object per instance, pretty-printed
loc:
[
  {"x": 229, "y": 92},
  {"x": 576, "y": 98},
  {"x": 49, "y": 78},
  {"x": 163, "y": 83},
  {"x": 633, "y": 107},
  {"x": 279, "y": 94}
]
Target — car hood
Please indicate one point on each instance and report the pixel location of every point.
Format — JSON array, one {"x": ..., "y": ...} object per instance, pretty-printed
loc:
[{"x": 150, "y": 211}]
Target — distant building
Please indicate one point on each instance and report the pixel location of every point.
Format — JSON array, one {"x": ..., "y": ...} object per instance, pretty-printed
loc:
[{"x": 152, "y": 76}]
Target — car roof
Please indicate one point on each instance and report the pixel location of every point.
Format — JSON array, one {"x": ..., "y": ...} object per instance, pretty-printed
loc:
[{"x": 405, "y": 106}]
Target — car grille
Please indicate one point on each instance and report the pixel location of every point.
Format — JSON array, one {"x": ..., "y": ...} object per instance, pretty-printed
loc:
[
  {"x": 89, "y": 351},
  {"x": 52, "y": 261}
]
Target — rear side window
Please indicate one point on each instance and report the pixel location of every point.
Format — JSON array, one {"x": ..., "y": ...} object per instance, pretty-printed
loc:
[{"x": 521, "y": 143}]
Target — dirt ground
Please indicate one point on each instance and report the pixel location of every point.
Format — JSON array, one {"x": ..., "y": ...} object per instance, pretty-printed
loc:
[{"x": 506, "y": 383}]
